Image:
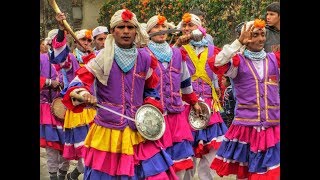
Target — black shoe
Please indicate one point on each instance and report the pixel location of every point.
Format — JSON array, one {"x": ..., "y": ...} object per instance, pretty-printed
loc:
[
  {"x": 62, "y": 175},
  {"x": 53, "y": 176},
  {"x": 70, "y": 178}
]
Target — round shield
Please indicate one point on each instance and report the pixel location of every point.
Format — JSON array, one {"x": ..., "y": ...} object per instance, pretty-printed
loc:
[
  {"x": 150, "y": 122},
  {"x": 202, "y": 121},
  {"x": 196, "y": 35},
  {"x": 58, "y": 109}
]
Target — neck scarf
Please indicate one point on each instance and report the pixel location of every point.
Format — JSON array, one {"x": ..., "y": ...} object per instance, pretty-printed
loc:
[
  {"x": 79, "y": 55},
  {"x": 255, "y": 56},
  {"x": 201, "y": 43},
  {"x": 125, "y": 58},
  {"x": 162, "y": 51}
]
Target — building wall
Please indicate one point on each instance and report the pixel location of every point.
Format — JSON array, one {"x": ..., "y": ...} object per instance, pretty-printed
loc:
[{"x": 90, "y": 13}]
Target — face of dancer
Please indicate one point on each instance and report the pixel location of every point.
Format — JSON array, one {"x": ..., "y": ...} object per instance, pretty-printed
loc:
[
  {"x": 99, "y": 41},
  {"x": 43, "y": 47},
  {"x": 159, "y": 38},
  {"x": 85, "y": 42},
  {"x": 257, "y": 41},
  {"x": 124, "y": 34},
  {"x": 187, "y": 28}
]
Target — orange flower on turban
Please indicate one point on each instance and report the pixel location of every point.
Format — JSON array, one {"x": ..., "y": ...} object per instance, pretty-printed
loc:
[
  {"x": 259, "y": 23},
  {"x": 126, "y": 15},
  {"x": 161, "y": 19},
  {"x": 186, "y": 17},
  {"x": 88, "y": 34}
]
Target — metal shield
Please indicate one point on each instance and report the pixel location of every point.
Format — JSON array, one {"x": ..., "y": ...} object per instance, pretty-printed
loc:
[
  {"x": 202, "y": 121},
  {"x": 150, "y": 122}
]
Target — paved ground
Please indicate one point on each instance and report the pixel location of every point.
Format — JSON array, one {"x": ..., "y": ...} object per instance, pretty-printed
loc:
[{"x": 44, "y": 175}]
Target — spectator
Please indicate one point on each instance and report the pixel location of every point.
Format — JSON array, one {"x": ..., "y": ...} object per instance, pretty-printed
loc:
[
  {"x": 99, "y": 34},
  {"x": 228, "y": 102},
  {"x": 273, "y": 28}
]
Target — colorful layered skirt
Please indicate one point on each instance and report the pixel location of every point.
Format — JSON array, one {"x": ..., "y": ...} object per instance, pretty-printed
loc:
[
  {"x": 76, "y": 127},
  {"x": 177, "y": 140},
  {"x": 51, "y": 129},
  {"x": 210, "y": 137},
  {"x": 124, "y": 154},
  {"x": 249, "y": 152}
]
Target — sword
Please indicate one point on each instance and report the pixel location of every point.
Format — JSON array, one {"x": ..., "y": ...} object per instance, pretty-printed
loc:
[
  {"x": 139, "y": 125},
  {"x": 80, "y": 98},
  {"x": 164, "y": 32},
  {"x": 110, "y": 110},
  {"x": 122, "y": 115}
]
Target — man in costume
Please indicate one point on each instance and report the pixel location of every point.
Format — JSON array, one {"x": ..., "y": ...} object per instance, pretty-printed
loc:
[
  {"x": 205, "y": 84},
  {"x": 125, "y": 80},
  {"x": 251, "y": 147},
  {"x": 174, "y": 80}
]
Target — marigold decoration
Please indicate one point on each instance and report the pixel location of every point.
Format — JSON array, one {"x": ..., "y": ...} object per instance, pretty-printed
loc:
[
  {"x": 145, "y": 3},
  {"x": 186, "y": 17},
  {"x": 161, "y": 19},
  {"x": 88, "y": 34},
  {"x": 259, "y": 23},
  {"x": 126, "y": 15}
]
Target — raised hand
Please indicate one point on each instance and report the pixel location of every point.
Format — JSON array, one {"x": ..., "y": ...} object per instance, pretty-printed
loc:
[
  {"x": 60, "y": 17},
  {"x": 197, "y": 109},
  {"x": 183, "y": 40},
  {"x": 246, "y": 34}
]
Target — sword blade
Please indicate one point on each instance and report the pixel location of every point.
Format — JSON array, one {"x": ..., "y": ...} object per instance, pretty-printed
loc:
[
  {"x": 110, "y": 110},
  {"x": 164, "y": 32}
]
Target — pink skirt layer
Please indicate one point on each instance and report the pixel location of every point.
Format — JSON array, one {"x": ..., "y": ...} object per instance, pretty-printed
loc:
[
  {"x": 177, "y": 129},
  {"x": 46, "y": 117},
  {"x": 258, "y": 139}
]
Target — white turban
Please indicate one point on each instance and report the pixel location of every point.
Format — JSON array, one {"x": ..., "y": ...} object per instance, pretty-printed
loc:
[
  {"x": 144, "y": 26},
  {"x": 102, "y": 64},
  {"x": 51, "y": 35},
  {"x": 99, "y": 30},
  {"x": 126, "y": 15},
  {"x": 188, "y": 17},
  {"x": 157, "y": 19},
  {"x": 258, "y": 24},
  {"x": 83, "y": 33},
  {"x": 179, "y": 26}
]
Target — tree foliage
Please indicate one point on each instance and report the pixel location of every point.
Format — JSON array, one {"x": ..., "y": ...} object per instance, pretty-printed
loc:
[{"x": 222, "y": 16}]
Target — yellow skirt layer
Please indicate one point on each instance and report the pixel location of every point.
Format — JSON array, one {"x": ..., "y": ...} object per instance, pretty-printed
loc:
[
  {"x": 112, "y": 140},
  {"x": 72, "y": 120}
]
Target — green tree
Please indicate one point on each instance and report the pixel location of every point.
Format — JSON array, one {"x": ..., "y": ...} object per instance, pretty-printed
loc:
[{"x": 222, "y": 16}]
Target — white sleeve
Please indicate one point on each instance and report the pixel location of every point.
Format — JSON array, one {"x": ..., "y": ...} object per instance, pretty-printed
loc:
[
  {"x": 232, "y": 72},
  {"x": 227, "y": 52}
]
